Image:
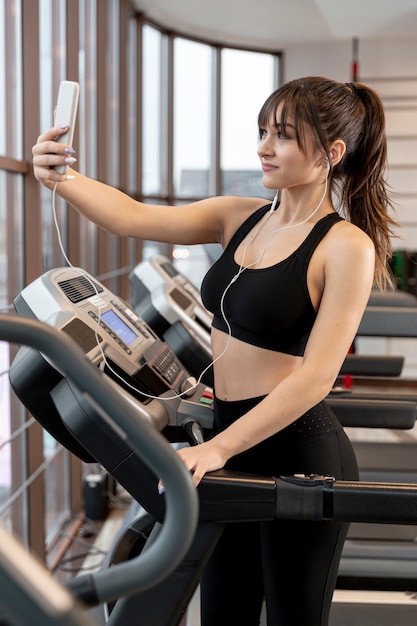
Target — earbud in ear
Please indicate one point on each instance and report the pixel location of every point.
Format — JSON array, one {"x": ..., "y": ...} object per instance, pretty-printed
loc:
[{"x": 328, "y": 162}]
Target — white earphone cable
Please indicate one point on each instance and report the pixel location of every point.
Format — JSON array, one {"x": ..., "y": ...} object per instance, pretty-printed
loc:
[
  {"x": 241, "y": 269},
  {"x": 97, "y": 327}
]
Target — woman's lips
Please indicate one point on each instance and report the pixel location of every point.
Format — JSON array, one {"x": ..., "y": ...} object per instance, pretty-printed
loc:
[{"x": 267, "y": 167}]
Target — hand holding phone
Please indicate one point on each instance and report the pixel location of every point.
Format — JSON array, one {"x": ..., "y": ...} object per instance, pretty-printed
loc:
[{"x": 66, "y": 113}]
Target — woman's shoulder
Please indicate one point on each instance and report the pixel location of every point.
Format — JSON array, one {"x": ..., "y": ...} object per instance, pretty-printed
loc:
[
  {"x": 346, "y": 231},
  {"x": 348, "y": 241},
  {"x": 238, "y": 204},
  {"x": 231, "y": 210},
  {"x": 236, "y": 210}
]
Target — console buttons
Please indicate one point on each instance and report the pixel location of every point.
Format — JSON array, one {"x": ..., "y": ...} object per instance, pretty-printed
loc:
[{"x": 207, "y": 397}]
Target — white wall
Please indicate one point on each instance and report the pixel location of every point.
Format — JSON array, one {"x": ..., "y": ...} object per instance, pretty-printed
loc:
[
  {"x": 332, "y": 60},
  {"x": 376, "y": 58},
  {"x": 395, "y": 62}
]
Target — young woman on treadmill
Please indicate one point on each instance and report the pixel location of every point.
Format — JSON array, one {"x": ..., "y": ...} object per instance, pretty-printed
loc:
[{"x": 287, "y": 296}]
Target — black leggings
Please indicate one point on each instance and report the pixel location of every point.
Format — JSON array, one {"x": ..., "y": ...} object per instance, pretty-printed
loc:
[{"x": 292, "y": 564}]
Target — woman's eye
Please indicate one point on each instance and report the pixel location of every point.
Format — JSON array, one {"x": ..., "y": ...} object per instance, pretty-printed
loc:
[{"x": 281, "y": 134}]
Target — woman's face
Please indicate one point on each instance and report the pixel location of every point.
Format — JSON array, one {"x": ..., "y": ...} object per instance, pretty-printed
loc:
[{"x": 284, "y": 164}]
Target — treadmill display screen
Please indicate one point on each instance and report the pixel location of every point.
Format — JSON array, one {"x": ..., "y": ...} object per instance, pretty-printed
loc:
[{"x": 117, "y": 325}]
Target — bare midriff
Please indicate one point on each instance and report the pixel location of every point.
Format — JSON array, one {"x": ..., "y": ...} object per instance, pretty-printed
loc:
[{"x": 247, "y": 371}]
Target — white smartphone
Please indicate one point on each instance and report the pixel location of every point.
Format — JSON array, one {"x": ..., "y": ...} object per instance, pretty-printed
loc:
[{"x": 66, "y": 113}]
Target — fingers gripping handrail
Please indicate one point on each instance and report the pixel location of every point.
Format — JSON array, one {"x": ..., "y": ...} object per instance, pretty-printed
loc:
[{"x": 181, "y": 517}]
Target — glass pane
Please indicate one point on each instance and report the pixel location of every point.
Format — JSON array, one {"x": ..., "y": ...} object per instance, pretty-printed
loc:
[
  {"x": 113, "y": 90},
  {"x": 248, "y": 78},
  {"x": 87, "y": 152},
  {"x": 52, "y": 256},
  {"x": 132, "y": 121},
  {"x": 5, "y": 458},
  {"x": 192, "y": 115},
  {"x": 56, "y": 485},
  {"x": 2, "y": 82},
  {"x": 87, "y": 106},
  {"x": 10, "y": 145},
  {"x": 151, "y": 122},
  {"x": 52, "y": 29},
  {"x": 4, "y": 359}
]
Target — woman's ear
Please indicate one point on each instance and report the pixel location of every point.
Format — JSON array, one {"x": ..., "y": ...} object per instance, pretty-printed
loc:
[{"x": 337, "y": 151}]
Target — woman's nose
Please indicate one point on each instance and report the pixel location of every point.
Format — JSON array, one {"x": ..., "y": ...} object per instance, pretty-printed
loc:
[{"x": 264, "y": 147}]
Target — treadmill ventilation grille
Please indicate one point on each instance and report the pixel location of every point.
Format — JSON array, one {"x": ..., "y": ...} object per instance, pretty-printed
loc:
[{"x": 79, "y": 288}]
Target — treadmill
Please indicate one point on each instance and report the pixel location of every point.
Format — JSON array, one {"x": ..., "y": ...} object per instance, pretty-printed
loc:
[
  {"x": 172, "y": 306},
  {"x": 29, "y": 594},
  {"x": 74, "y": 303}
]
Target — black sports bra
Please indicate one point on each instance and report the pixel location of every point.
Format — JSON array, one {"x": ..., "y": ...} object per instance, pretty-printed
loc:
[{"x": 268, "y": 307}]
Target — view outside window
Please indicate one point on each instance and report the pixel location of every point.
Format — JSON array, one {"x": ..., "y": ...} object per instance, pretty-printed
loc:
[
  {"x": 192, "y": 118},
  {"x": 152, "y": 119},
  {"x": 4, "y": 361},
  {"x": 52, "y": 29},
  {"x": 248, "y": 78},
  {"x": 5, "y": 456},
  {"x": 5, "y": 427}
]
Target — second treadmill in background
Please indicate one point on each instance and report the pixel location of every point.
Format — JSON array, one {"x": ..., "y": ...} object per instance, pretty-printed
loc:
[{"x": 172, "y": 307}]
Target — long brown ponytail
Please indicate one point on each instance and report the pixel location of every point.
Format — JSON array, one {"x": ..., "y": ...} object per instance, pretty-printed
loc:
[{"x": 354, "y": 113}]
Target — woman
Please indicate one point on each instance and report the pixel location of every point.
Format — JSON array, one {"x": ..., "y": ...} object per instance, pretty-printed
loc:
[{"x": 287, "y": 295}]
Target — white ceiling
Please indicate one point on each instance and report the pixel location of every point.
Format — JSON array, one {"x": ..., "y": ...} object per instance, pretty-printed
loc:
[{"x": 275, "y": 24}]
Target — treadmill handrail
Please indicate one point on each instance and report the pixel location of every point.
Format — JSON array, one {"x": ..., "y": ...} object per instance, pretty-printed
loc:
[
  {"x": 388, "y": 321},
  {"x": 324, "y": 498},
  {"x": 378, "y": 412},
  {"x": 30, "y": 594},
  {"x": 369, "y": 365},
  {"x": 227, "y": 496},
  {"x": 181, "y": 516}
]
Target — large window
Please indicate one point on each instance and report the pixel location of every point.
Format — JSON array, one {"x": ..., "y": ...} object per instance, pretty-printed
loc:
[
  {"x": 247, "y": 80},
  {"x": 52, "y": 36},
  {"x": 193, "y": 118},
  {"x": 11, "y": 240},
  {"x": 200, "y": 108},
  {"x": 5, "y": 460},
  {"x": 152, "y": 124},
  {"x": 166, "y": 118}
]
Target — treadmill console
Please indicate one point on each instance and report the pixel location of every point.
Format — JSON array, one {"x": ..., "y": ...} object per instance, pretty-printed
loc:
[
  {"x": 115, "y": 338},
  {"x": 105, "y": 328}
]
